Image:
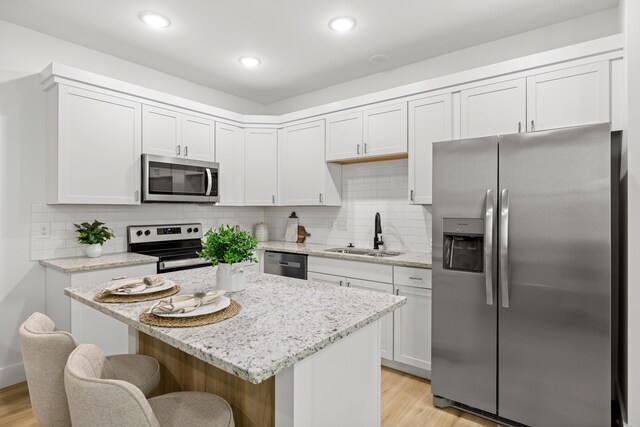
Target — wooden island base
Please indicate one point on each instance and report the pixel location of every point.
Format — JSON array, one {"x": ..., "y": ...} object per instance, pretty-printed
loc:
[{"x": 253, "y": 404}]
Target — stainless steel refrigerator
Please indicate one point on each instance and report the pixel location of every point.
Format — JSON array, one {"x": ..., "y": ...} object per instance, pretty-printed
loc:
[{"x": 522, "y": 276}]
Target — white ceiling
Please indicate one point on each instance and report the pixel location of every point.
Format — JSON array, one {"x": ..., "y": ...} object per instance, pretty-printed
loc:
[{"x": 299, "y": 52}]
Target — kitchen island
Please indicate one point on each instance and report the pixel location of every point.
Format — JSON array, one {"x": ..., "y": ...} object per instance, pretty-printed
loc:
[{"x": 298, "y": 354}]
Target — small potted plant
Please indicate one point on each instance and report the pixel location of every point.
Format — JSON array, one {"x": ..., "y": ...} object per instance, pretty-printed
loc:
[
  {"x": 93, "y": 235},
  {"x": 229, "y": 249}
]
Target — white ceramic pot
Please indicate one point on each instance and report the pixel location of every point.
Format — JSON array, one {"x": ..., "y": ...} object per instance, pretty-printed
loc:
[
  {"x": 93, "y": 251},
  {"x": 230, "y": 277}
]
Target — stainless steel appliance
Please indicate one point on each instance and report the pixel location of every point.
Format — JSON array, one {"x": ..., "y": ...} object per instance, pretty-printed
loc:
[
  {"x": 175, "y": 244},
  {"x": 169, "y": 179},
  {"x": 285, "y": 264},
  {"x": 522, "y": 276}
]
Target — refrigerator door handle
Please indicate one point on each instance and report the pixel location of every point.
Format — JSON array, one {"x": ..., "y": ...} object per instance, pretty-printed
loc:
[
  {"x": 504, "y": 247},
  {"x": 488, "y": 246}
]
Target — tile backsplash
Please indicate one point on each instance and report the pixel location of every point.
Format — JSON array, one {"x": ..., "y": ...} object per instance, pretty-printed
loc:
[
  {"x": 367, "y": 188},
  {"x": 60, "y": 219}
]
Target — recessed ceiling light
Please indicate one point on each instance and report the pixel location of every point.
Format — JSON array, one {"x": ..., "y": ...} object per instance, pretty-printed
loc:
[
  {"x": 378, "y": 58},
  {"x": 155, "y": 20},
  {"x": 342, "y": 24},
  {"x": 249, "y": 61}
]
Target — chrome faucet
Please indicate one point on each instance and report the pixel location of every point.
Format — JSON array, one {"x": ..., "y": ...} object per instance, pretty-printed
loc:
[{"x": 377, "y": 237}]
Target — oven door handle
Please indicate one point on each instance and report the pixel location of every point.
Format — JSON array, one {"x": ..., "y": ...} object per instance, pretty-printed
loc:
[
  {"x": 165, "y": 265},
  {"x": 209, "y": 181}
]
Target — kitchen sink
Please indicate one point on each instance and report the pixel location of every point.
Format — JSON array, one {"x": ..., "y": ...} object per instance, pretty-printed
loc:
[{"x": 367, "y": 252}]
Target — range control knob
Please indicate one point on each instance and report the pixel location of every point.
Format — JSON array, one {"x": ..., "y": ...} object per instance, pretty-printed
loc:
[
  {"x": 195, "y": 230},
  {"x": 147, "y": 232},
  {"x": 139, "y": 233},
  {"x": 189, "y": 230}
]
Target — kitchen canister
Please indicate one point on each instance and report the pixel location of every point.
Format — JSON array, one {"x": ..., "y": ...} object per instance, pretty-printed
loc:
[{"x": 261, "y": 232}]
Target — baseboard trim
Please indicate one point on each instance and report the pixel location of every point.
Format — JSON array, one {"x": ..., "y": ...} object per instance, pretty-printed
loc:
[
  {"x": 418, "y": 372},
  {"x": 12, "y": 374}
]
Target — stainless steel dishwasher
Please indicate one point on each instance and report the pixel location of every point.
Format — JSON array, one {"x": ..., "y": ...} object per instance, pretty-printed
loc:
[{"x": 285, "y": 264}]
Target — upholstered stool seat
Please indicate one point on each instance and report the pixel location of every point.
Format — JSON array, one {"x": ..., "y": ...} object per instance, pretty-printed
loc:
[
  {"x": 45, "y": 352},
  {"x": 97, "y": 400}
]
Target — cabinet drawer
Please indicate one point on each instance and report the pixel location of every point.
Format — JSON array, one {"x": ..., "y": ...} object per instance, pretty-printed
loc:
[
  {"x": 355, "y": 269},
  {"x": 408, "y": 276},
  {"x": 101, "y": 276},
  {"x": 326, "y": 279}
]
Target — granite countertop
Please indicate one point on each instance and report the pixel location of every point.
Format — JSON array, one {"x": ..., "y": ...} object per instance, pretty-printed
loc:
[
  {"x": 407, "y": 259},
  {"x": 282, "y": 321},
  {"x": 78, "y": 264}
]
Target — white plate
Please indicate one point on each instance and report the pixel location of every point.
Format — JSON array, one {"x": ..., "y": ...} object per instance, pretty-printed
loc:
[
  {"x": 222, "y": 303},
  {"x": 168, "y": 284}
]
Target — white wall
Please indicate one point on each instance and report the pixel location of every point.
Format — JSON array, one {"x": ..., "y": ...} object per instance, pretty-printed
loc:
[
  {"x": 630, "y": 12},
  {"x": 23, "y": 54},
  {"x": 26, "y": 51},
  {"x": 577, "y": 30},
  {"x": 367, "y": 188}
]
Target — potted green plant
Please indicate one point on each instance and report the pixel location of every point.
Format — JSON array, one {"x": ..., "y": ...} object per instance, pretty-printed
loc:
[
  {"x": 93, "y": 235},
  {"x": 229, "y": 248}
]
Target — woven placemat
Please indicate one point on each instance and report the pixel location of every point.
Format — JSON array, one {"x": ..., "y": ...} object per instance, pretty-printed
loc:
[
  {"x": 99, "y": 297},
  {"x": 188, "y": 322}
]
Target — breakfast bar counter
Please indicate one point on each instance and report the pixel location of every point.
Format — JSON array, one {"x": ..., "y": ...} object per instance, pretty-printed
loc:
[{"x": 283, "y": 359}]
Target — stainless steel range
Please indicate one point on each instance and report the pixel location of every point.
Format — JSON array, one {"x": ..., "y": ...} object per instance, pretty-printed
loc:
[{"x": 175, "y": 244}]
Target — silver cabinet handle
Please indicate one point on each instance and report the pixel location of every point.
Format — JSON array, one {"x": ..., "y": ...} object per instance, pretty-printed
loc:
[
  {"x": 340, "y": 282},
  {"x": 186, "y": 151},
  {"x": 348, "y": 284},
  {"x": 519, "y": 127},
  {"x": 397, "y": 291},
  {"x": 358, "y": 148},
  {"x": 415, "y": 278},
  {"x": 411, "y": 195},
  {"x": 488, "y": 247},
  {"x": 209, "y": 182},
  {"x": 178, "y": 150},
  {"x": 365, "y": 148},
  {"x": 320, "y": 197},
  {"x": 533, "y": 126},
  {"x": 504, "y": 247},
  {"x": 273, "y": 199},
  {"x": 119, "y": 278},
  {"x": 136, "y": 195}
]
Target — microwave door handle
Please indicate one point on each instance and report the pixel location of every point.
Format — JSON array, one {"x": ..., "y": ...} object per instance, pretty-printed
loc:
[{"x": 209, "y": 181}]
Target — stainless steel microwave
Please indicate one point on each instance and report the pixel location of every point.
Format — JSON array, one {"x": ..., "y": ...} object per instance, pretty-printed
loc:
[{"x": 170, "y": 179}]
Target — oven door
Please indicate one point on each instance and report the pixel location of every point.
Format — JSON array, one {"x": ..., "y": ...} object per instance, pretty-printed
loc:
[{"x": 168, "y": 179}]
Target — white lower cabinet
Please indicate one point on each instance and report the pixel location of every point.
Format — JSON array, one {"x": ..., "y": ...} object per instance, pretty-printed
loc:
[
  {"x": 86, "y": 324},
  {"x": 412, "y": 328}
]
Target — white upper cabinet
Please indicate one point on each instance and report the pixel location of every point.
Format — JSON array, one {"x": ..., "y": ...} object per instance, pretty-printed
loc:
[
  {"x": 175, "y": 134},
  {"x": 430, "y": 120},
  {"x": 230, "y": 156},
  {"x": 493, "y": 109},
  {"x": 344, "y": 136},
  {"x": 161, "y": 131},
  {"x": 373, "y": 132},
  {"x": 93, "y": 147},
  {"x": 305, "y": 178},
  {"x": 385, "y": 130},
  {"x": 198, "y": 138},
  {"x": 569, "y": 97},
  {"x": 260, "y": 167}
]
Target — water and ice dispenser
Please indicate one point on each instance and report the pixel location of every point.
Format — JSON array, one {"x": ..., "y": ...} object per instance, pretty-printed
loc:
[{"x": 463, "y": 240}]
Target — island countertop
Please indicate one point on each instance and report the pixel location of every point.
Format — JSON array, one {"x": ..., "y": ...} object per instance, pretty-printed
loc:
[
  {"x": 282, "y": 320},
  {"x": 83, "y": 263}
]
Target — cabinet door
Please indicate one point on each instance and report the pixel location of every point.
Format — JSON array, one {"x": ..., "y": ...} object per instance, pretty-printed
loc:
[
  {"x": 230, "y": 156},
  {"x": 98, "y": 159},
  {"x": 260, "y": 167},
  {"x": 493, "y": 109},
  {"x": 385, "y": 130},
  {"x": 412, "y": 328},
  {"x": 198, "y": 138},
  {"x": 344, "y": 136},
  {"x": 386, "y": 338},
  {"x": 328, "y": 279},
  {"x": 429, "y": 122},
  {"x": 161, "y": 131},
  {"x": 302, "y": 165},
  {"x": 570, "y": 97}
]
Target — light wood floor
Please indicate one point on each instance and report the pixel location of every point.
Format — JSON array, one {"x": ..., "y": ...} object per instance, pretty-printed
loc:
[{"x": 406, "y": 402}]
